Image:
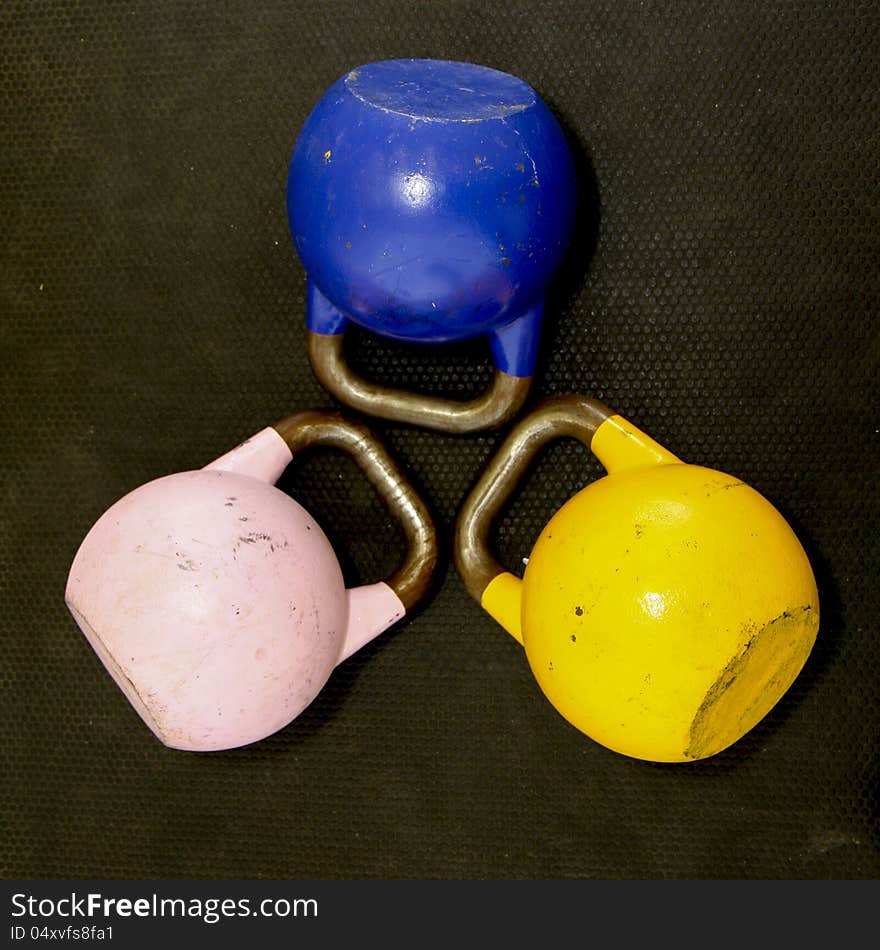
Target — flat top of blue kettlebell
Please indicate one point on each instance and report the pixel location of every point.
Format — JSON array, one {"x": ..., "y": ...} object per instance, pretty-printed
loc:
[{"x": 440, "y": 90}]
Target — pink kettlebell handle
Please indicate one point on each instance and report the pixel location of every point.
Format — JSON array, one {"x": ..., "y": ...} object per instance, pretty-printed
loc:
[
  {"x": 265, "y": 456},
  {"x": 318, "y": 428}
]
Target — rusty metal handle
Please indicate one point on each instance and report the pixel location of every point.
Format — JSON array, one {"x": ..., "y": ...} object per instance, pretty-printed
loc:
[
  {"x": 576, "y": 417},
  {"x": 327, "y": 429},
  {"x": 500, "y": 403}
]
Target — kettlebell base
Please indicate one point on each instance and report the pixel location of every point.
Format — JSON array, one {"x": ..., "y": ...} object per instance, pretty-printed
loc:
[
  {"x": 751, "y": 683},
  {"x": 115, "y": 670}
]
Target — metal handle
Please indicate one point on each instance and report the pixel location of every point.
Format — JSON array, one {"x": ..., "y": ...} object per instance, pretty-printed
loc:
[
  {"x": 500, "y": 403},
  {"x": 327, "y": 429},
  {"x": 558, "y": 417}
]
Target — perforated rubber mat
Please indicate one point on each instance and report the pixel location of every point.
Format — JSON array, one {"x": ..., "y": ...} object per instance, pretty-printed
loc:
[{"x": 721, "y": 292}]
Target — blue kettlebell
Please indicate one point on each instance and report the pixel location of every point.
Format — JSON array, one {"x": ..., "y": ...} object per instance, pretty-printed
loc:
[{"x": 430, "y": 201}]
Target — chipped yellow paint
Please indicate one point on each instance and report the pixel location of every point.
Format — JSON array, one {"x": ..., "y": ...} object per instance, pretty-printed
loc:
[{"x": 666, "y": 608}]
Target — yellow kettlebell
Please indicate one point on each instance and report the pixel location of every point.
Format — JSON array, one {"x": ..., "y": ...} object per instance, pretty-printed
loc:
[{"x": 664, "y": 609}]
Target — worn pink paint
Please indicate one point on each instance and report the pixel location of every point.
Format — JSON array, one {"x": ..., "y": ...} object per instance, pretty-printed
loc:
[{"x": 216, "y": 601}]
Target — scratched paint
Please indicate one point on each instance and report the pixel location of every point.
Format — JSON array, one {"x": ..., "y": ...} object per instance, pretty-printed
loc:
[{"x": 745, "y": 689}]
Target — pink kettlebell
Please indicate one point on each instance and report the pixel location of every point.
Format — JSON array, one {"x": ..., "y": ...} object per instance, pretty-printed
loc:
[{"x": 217, "y": 603}]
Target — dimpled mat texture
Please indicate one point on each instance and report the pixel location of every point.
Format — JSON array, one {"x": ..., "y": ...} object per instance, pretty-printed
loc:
[{"x": 721, "y": 292}]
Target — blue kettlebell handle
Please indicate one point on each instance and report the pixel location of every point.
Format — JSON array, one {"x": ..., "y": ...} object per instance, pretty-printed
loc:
[{"x": 514, "y": 353}]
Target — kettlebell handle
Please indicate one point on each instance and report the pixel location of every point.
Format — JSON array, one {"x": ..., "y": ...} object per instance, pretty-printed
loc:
[
  {"x": 497, "y": 405},
  {"x": 316, "y": 428},
  {"x": 570, "y": 416}
]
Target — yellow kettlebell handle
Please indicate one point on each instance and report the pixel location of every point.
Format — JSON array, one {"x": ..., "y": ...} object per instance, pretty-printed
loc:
[{"x": 616, "y": 443}]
